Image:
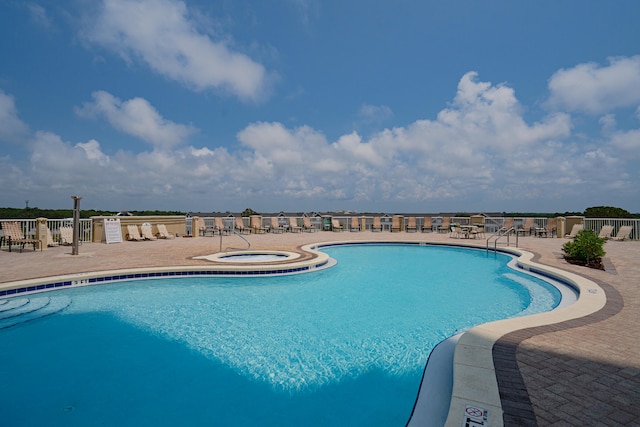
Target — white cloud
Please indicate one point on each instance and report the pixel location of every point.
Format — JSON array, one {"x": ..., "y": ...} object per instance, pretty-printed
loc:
[
  {"x": 161, "y": 34},
  {"x": 597, "y": 89},
  {"x": 12, "y": 129},
  {"x": 39, "y": 16},
  {"x": 479, "y": 151},
  {"x": 138, "y": 118},
  {"x": 375, "y": 113}
]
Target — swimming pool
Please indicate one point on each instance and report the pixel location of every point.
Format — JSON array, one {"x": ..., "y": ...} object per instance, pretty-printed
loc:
[{"x": 342, "y": 346}]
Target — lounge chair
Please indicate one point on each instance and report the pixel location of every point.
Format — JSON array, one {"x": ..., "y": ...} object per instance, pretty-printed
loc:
[
  {"x": 549, "y": 229},
  {"x": 336, "y": 226},
  {"x": 293, "y": 226},
  {"x": 50, "y": 241},
  {"x": 146, "y": 231},
  {"x": 427, "y": 224},
  {"x": 605, "y": 232},
  {"x": 307, "y": 226},
  {"x": 623, "y": 233},
  {"x": 255, "y": 223},
  {"x": 506, "y": 225},
  {"x": 133, "y": 233},
  {"x": 377, "y": 225},
  {"x": 395, "y": 224},
  {"x": 219, "y": 226},
  {"x": 240, "y": 227},
  {"x": 163, "y": 233},
  {"x": 66, "y": 235},
  {"x": 354, "y": 224},
  {"x": 275, "y": 227},
  {"x": 529, "y": 225},
  {"x": 202, "y": 228},
  {"x": 13, "y": 235},
  {"x": 574, "y": 230},
  {"x": 445, "y": 225},
  {"x": 411, "y": 225}
]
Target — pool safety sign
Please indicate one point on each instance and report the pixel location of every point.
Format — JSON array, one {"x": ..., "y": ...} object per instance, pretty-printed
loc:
[
  {"x": 474, "y": 416},
  {"x": 112, "y": 230}
]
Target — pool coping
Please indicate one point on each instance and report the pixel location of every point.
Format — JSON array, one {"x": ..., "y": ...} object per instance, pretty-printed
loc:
[{"x": 475, "y": 374}]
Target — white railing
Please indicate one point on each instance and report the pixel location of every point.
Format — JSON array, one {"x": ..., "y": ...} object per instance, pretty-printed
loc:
[
  {"x": 596, "y": 224},
  {"x": 28, "y": 227},
  {"x": 491, "y": 224}
]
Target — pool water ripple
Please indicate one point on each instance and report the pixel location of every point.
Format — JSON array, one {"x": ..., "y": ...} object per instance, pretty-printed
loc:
[{"x": 370, "y": 314}]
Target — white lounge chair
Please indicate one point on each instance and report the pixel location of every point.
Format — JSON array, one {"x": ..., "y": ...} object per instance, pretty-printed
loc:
[
  {"x": 275, "y": 226},
  {"x": 163, "y": 233},
  {"x": 133, "y": 233},
  {"x": 623, "y": 233},
  {"x": 146, "y": 231},
  {"x": 574, "y": 230},
  {"x": 605, "y": 232}
]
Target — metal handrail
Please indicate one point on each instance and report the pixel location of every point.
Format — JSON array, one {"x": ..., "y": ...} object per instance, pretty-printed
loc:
[
  {"x": 235, "y": 249},
  {"x": 499, "y": 234}
]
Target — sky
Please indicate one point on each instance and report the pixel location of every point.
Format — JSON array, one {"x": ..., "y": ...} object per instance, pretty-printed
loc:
[{"x": 303, "y": 105}]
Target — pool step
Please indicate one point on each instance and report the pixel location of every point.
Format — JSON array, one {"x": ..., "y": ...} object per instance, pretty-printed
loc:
[
  {"x": 26, "y": 309},
  {"x": 12, "y": 304}
]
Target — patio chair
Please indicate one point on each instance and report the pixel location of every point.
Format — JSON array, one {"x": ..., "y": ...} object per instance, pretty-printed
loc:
[
  {"x": 240, "y": 227},
  {"x": 605, "y": 232},
  {"x": 506, "y": 225},
  {"x": 445, "y": 225},
  {"x": 133, "y": 233},
  {"x": 336, "y": 226},
  {"x": 574, "y": 230},
  {"x": 66, "y": 235},
  {"x": 163, "y": 233},
  {"x": 293, "y": 226},
  {"x": 411, "y": 225},
  {"x": 255, "y": 223},
  {"x": 549, "y": 229},
  {"x": 529, "y": 225},
  {"x": 395, "y": 224},
  {"x": 50, "y": 241},
  {"x": 355, "y": 224},
  {"x": 202, "y": 228},
  {"x": 623, "y": 233},
  {"x": 455, "y": 231},
  {"x": 307, "y": 226},
  {"x": 146, "y": 231},
  {"x": 377, "y": 225},
  {"x": 427, "y": 224},
  {"x": 275, "y": 226},
  {"x": 219, "y": 226},
  {"x": 13, "y": 235}
]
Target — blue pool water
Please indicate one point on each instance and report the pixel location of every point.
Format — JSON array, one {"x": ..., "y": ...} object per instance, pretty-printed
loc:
[{"x": 342, "y": 346}]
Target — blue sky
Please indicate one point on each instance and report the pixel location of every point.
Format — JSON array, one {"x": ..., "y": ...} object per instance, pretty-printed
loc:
[{"x": 301, "y": 105}]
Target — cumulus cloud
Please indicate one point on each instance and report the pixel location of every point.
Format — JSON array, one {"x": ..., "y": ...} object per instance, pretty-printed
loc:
[
  {"x": 136, "y": 117},
  {"x": 596, "y": 89},
  {"x": 161, "y": 34},
  {"x": 477, "y": 151},
  {"x": 12, "y": 129}
]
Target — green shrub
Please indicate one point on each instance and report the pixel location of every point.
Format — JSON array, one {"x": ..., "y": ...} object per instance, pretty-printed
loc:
[{"x": 585, "y": 247}]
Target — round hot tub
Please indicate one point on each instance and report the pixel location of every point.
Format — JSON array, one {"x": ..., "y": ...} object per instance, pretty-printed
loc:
[{"x": 251, "y": 256}]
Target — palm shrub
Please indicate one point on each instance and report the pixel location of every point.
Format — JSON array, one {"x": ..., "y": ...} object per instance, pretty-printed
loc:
[{"x": 586, "y": 248}]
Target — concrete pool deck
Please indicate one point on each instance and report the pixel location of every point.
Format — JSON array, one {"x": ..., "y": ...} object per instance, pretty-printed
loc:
[{"x": 584, "y": 371}]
